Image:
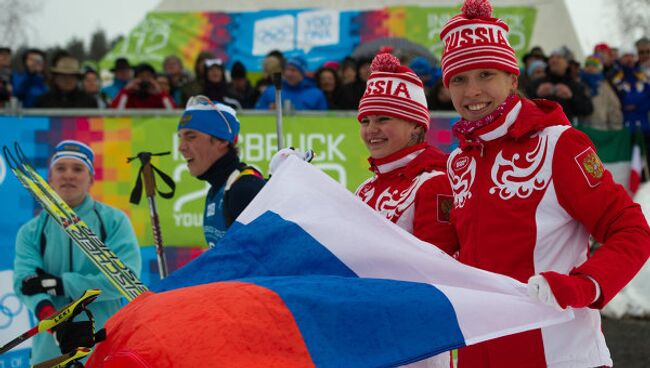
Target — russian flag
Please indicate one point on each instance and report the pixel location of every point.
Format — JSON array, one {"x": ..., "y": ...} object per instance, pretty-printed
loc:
[
  {"x": 637, "y": 160},
  {"x": 310, "y": 276}
]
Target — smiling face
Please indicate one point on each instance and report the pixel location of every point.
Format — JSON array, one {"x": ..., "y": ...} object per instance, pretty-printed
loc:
[
  {"x": 71, "y": 180},
  {"x": 477, "y": 93},
  {"x": 200, "y": 150},
  {"x": 385, "y": 135}
]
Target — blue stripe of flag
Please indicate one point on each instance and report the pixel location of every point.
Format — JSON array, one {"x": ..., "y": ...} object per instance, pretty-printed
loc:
[
  {"x": 360, "y": 322},
  {"x": 267, "y": 246}
]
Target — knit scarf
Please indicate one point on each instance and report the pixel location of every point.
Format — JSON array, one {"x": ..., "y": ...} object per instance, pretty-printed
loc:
[{"x": 464, "y": 127}]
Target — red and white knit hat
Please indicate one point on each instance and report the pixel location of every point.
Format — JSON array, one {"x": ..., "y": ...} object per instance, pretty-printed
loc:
[
  {"x": 475, "y": 40},
  {"x": 394, "y": 90}
]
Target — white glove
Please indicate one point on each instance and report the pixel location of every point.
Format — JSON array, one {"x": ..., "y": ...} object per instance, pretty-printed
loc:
[
  {"x": 280, "y": 157},
  {"x": 540, "y": 290}
]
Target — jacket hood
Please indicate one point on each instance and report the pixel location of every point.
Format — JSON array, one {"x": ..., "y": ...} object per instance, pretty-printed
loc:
[
  {"x": 536, "y": 115},
  {"x": 431, "y": 158}
]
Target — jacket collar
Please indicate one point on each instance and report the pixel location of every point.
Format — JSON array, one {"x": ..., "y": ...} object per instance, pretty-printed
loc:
[
  {"x": 396, "y": 160},
  {"x": 500, "y": 127},
  {"x": 218, "y": 173}
]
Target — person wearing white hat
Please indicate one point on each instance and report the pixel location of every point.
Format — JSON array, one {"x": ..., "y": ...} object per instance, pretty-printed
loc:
[{"x": 50, "y": 271}]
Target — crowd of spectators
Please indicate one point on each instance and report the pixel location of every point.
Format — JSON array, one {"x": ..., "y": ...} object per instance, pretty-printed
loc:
[{"x": 609, "y": 90}]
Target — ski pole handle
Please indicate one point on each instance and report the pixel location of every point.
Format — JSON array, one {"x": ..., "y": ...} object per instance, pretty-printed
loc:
[
  {"x": 150, "y": 191},
  {"x": 147, "y": 170},
  {"x": 149, "y": 181}
]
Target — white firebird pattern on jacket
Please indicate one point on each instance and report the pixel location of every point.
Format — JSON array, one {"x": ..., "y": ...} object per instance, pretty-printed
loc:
[
  {"x": 392, "y": 203},
  {"x": 511, "y": 180},
  {"x": 508, "y": 177},
  {"x": 460, "y": 184}
]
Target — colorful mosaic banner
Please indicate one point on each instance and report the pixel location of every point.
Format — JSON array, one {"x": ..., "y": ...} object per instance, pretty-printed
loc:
[{"x": 318, "y": 35}]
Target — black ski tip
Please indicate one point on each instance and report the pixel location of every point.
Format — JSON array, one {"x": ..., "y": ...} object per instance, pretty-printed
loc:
[
  {"x": 20, "y": 154},
  {"x": 9, "y": 157}
]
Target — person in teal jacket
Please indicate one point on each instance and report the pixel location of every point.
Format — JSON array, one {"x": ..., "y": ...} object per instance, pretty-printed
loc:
[{"x": 50, "y": 271}]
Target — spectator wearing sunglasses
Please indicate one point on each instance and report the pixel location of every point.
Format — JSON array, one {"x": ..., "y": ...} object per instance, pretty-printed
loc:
[{"x": 207, "y": 135}]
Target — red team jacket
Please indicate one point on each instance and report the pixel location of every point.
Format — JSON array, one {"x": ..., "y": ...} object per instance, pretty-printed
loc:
[
  {"x": 528, "y": 191},
  {"x": 410, "y": 188}
]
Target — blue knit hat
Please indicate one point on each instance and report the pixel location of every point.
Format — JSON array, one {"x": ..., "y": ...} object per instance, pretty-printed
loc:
[
  {"x": 74, "y": 150},
  {"x": 534, "y": 65},
  {"x": 298, "y": 63},
  {"x": 420, "y": 65},
  {"x": 212, "y": 118}
]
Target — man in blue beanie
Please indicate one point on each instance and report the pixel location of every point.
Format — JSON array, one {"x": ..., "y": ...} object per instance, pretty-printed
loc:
[
  {"x": 208, "y": 134},
  {"x": 50, "y": 271},
  {"x": 301, "y": 91}
]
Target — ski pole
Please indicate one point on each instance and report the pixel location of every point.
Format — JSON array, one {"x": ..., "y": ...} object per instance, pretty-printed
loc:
[
  {"x": 54, "y": 320},
  {"x": 147, "y": 171},
  {"x": 277, "y": 82},
  {"x": 66, "y": 360}
]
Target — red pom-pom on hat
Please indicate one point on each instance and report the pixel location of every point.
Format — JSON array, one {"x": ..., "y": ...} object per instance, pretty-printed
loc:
[
  {"x": 477, "y": 9},
  {"x": 385, "y": 63}
]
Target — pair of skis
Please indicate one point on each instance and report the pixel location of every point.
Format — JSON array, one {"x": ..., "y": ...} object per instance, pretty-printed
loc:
[{"x": 126, "y": 282}]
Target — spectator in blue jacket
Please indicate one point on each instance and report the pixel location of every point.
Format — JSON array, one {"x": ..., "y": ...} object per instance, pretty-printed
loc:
[
  {"x": 633, "y": 88},
  {"x": 30, "y": 84},
  {"x": 302, "y": 92}
]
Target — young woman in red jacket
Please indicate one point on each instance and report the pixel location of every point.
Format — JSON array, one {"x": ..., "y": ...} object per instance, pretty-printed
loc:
[
  {"x": 528, "y": 191},
  {"x": 410, "y": 186}
]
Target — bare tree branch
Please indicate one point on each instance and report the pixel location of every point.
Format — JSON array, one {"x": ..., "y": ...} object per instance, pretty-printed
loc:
[
  {"x": 14, "y": 27},
  {"x": 634, "y": 19}
]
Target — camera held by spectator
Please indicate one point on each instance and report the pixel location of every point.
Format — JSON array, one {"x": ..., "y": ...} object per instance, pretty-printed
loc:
[{"x": 143, "y": 91}]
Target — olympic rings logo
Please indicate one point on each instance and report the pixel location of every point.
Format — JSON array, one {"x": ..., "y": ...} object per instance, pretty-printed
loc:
[
  {"x": 10, "y": 307},
  {"x": 274, "y": 35}
]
